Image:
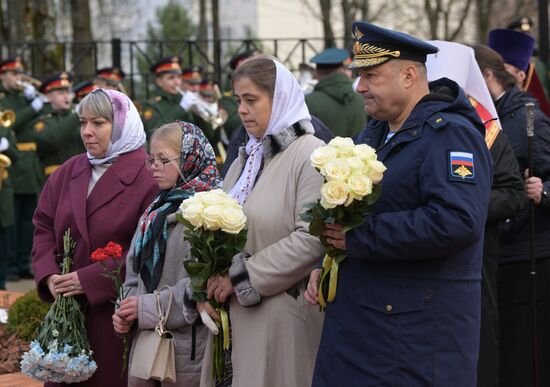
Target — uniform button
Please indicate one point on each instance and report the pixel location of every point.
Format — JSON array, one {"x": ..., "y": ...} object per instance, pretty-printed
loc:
[
  {"x": 413, "y": 133},
  {"x": 389, "y": 308}
]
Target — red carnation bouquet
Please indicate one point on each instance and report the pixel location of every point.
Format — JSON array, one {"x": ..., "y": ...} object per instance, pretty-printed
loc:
[{"x": 113, "y": 252}]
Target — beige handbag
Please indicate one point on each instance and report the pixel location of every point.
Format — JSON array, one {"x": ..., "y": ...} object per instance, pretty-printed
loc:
[{"x": 155, "y": 350}]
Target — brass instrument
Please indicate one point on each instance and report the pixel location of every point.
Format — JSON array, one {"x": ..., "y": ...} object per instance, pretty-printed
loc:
[
  {"x": 5, "y": 162},
  {"x": 7, "y": 118},
  {"x": 208, "y": 111},
  {"x": 28, "y": 80}
]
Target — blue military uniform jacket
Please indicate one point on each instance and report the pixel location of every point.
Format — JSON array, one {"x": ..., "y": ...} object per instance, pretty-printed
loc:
[{"x": 407, "y": 307}]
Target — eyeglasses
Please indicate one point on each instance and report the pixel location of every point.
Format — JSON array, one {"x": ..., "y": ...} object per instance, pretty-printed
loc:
[{"x": 160, "y": 164}]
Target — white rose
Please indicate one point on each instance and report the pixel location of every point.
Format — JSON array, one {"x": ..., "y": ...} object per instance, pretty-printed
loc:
[
  {"x": 359, "y": 186},
  {"x": 344, "y": 145},
  {"x": 364, "y": 152},
  {"x": 192, "y": 212},
  {"x": 376, "y": 171},
  {"x": 209, "y": 198},
  {"x": 233, "y": 220},
  {"x": 336, "y": 169},
  {"x": 334, "y": 193},
  {"x": 356, "y": 164},
  {"x": 322, "y": 155},
  {"x": 211, "y": 217}
]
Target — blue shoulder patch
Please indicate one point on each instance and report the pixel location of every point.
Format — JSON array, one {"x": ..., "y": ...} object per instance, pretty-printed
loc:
[{"x": 461, "y": 167}]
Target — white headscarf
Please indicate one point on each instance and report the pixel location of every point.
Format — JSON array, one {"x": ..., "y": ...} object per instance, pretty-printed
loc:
[
  {"x": 128, "y": 133},
  {"x": 458, "y": 62},
  {"x": 288, "y": 107}
]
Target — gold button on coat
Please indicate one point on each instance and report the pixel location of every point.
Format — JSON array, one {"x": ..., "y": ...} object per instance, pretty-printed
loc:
[{"x": 389, "y": 308}]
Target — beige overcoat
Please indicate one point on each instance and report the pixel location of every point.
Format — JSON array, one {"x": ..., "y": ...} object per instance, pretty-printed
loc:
[{"x": 275, "y": 342}]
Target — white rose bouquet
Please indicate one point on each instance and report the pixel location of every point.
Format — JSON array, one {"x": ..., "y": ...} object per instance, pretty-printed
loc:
[
  {"x": 352, "y": 175},
  {"x": 215, "y": 229}
]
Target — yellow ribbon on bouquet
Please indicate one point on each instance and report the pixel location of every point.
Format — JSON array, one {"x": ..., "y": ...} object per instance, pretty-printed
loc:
[{"x": 330, "y": 270}]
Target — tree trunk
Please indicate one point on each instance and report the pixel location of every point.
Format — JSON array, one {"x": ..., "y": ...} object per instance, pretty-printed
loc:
[
  {"x": 82, "y": 48},
  {"x": 433, "y": 12},
  {"x": 216, "y": 38},
  {"x": 202, "y": 33},
  {"x": 348, "y": 13},
  {"x": 4, "y": 31},
  {"x": 327, "y": 26},
  {"x": 17, "y": 23}
]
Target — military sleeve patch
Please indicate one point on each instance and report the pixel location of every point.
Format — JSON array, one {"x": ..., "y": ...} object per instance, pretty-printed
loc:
[
  {"x": 461, "y": 167},
  {"x": 148, "y": 114},
  {"x": 39, "y": 126}
]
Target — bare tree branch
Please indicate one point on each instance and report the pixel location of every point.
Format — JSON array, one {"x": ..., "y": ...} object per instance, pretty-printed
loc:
[{"x": 462, "y": 18}]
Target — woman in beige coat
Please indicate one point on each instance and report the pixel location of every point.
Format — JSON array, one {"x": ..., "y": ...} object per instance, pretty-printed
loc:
[
  {"x": 182, "y": 162},
  {"x": 275, "y": 332}
]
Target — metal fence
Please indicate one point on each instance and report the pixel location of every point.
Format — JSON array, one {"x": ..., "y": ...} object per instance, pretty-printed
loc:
[{"x": 134, "y": 57}]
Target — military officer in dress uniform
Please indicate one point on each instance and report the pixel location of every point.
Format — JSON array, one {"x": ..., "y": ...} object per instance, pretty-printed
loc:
[
  {"x": 57, "y": 130},
  {"x": 407, "y": 306},
  {"x": 110, "y": 78},
  {"x": 8, "y": 155},
  {"x": 169, "y": 102},
  {"x": 333, "y": 100},
  {"x": 25, "y": 173}
]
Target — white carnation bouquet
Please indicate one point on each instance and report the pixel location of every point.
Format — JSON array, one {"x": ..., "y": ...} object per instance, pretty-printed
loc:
[
  {"x": 61, "y": 353},
  {"x": 215, "y": 229},
  {"x": 352, "y": 177}
]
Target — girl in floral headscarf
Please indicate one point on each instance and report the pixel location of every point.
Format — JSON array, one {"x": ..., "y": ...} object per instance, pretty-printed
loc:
[{"x": 183, "y": 163}]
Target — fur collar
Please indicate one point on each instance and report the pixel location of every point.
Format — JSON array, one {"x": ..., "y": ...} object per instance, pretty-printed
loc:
[{"x": 278, "y": 142}]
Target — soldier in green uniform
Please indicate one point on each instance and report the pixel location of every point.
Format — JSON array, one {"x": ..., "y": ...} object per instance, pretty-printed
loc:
[
  {"x": 110, "y": 78},
  {"x": 8, "y": 155},
  {"x": 333, "y": 99},
  {"x": 82, "y": 90},
  {"x": 57, "y": 130},
  {"x": 25, "y": 173},
  {"x": 169, "y": 103},
  {"x": 191, "y": 78}
]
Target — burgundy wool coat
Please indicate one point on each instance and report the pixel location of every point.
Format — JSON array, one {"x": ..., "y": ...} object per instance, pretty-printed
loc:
[{"x": 110, "y": 213}]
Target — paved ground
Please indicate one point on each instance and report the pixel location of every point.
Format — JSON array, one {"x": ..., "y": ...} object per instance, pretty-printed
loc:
[{"x": 20, "y": 286}]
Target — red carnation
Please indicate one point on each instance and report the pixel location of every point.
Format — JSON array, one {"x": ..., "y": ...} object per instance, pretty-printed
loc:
[
  {"x": 99, "y": 255},
  {"x": 114, "y": 250}
]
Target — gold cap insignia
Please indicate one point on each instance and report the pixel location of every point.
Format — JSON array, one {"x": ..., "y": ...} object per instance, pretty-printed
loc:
[{"x": 368, "y": 55}]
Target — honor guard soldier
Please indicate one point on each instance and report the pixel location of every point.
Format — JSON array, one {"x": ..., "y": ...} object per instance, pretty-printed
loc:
[
  {"x": 110, "y": 78},
  {"x": 333, "y": 100},
  {"x": 8, "y": 155},
  {"x": 169, "y": 102},
  {"x": 20, "y": 97},
  {"x": 407, "y": 306},
  {"x": 191, "y": 78},
  {"x": 83, "y": 89},
  {"x": 57, "y": 130}
]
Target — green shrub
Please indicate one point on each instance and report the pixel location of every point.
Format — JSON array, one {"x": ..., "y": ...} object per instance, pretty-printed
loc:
[{"x": 26, "y": 314}]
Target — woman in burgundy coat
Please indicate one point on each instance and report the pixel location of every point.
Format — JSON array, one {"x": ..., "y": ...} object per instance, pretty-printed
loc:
[{"x": 100, "y": 196}]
